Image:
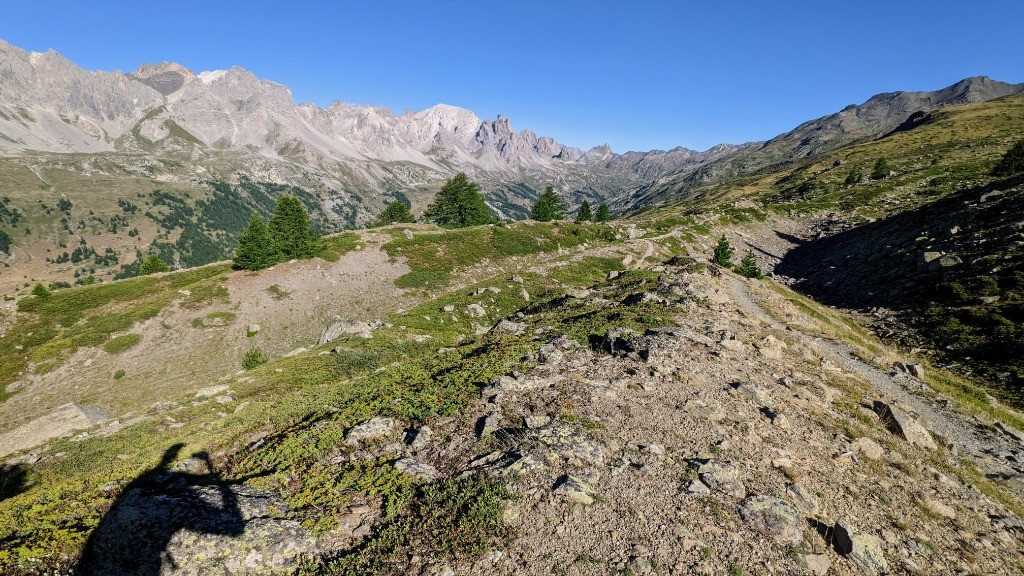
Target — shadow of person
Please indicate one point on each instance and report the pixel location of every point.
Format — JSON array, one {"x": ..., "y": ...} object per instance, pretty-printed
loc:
[
  {"x": 133, "y": 536},
  {"x": 13, "y": 480}
]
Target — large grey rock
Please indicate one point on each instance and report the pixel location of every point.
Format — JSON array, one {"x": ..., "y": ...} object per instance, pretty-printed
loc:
[
  {"x": 864, "y": 549},
  {"x": 62, "y": 420},
  {"x": 342, "y": 327},
  {"x": 417, "y": 468},
  {"x": 904, "y": 425},
  {"x": 777, "y": 519},
  {"x": 575, "y": 490}
]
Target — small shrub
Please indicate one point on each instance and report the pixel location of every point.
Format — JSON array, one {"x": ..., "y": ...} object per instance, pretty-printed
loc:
[
  {"x": 119, "y": 374},
  {"x": 152, "y": 265},
  {"x": 253, "y": 358},
  {"x": 40, "y": 291}
]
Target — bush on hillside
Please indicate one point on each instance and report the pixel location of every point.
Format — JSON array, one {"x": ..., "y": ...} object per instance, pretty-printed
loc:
[
  {"x": 253, "y": 358},
  {"x": 396, "y": 212},
  {"x": 152, "y": 265}
]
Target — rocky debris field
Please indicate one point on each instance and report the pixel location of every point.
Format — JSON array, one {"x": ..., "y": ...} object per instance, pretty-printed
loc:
[{"x": 725, "y": 443}]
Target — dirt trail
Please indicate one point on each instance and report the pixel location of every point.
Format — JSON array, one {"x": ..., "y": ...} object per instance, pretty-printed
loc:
[{"x": 993, "y": 452}]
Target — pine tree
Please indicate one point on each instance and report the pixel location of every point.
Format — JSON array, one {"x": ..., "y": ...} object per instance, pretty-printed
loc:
[
  {"x": 548, "y": 207},
  {"x": 397, "y": 211},
  {"x": 256, "y": 249},
  {"x": 604, "y": 214},
  {"x": 723, "y": 253},
  {"x": 459, "y": 203},
  {"x": 881, "y": 169},
  {"x": 1012, "y": 162},
  {"x": 291, "y": 229},
  {"x": 748, "y": 266},
  {"x": 584, "y": 214},
  {"x": 152, "y": 265}
]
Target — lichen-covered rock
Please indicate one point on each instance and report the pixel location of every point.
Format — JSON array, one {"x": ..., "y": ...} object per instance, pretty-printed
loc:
[
  {"x": 342, "y": 327},
  {"x": 777, "y": 519},
  {"x": 864, "y": 549},
  {"x": 371, "y": 430},
  {"x": 571, "y": 444},
  {"x": 722, "y": 476},
  {"x": 575, "y": 490},
  {"x": 417, "y": 468}
]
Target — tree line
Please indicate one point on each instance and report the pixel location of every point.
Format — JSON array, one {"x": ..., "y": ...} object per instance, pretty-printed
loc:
[{"x": 460, "y": 203}]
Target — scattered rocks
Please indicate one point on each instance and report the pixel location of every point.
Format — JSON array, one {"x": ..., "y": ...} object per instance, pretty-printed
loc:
[
  {"x": 777, "y": 519},
  {"x": 864, "y": 549},
  {"x": 904, "y": 425}
]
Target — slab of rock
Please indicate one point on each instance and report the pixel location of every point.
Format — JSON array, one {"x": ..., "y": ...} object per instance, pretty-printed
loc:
[
  {"x": 371, "y": 430},
  {"x": 864, "y": 549},
  {"x": 569, "y": 443},
  {"x": 904, "y": 425},
  {"x": 803, "y": 499},
  {"x": 722, "y": 476},
  {"x": 817, "y": 564},
  {"x": 759, "y": 395},
  {"x": 407, "y": 233},
  {"x": 342, "y": 327},
  {"x": 575, "y": 490},
  {"x": 211, "y": 391},
  {"x": 417, "y": 468},
  {"x": 475, "y": 311},
  {"x": 867, "y": 448},
  {"x": 62, "y": 420},
  {"x": 775, "y": 518},
  {"x": 709, "y": 410},
  {"x": 509, "y": 327},
  {"x": 197, "y": 530}
]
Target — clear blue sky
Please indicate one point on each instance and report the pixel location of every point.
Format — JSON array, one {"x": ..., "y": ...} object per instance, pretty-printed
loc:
[{"x": 638, "y": 75}]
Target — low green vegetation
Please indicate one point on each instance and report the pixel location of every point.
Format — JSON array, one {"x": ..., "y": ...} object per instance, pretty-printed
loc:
[
  {"x": 152, "y": 265},
  {"x": 433, "y": 257},
  {"x": 119, "y": 344},
  {"x": 54, "y": 327}
]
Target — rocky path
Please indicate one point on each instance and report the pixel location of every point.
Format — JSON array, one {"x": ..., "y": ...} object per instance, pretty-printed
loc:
[{"x": 998, "y": 455}]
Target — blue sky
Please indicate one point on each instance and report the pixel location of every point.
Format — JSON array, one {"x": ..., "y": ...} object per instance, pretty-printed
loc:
[{"x": 637, "y": 75}]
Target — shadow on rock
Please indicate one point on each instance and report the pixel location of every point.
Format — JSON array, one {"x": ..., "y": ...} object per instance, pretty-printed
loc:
[
  {"x": 13, "y": 480},
  {"x": 186, "y": 520}
]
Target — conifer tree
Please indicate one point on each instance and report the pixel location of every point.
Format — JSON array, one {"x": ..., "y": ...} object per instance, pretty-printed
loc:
[
  {"x": 723, "y": 253},
  {"x": 152, "y": 265},
  {"x": 395, "y": 212},
  {"x": 604, "y": 214},
  {"x": 548, "y": 207},
  {"x": 1012, "y": 162},
  {"x": 291, "y": 229},
  {"x": 256, "y": 248},
  {"x": 459, "y": 203},
  {"x": 584, "y": 214},
  {"x": 881, "y": 169},
  {"x": 748, "y": 266}
]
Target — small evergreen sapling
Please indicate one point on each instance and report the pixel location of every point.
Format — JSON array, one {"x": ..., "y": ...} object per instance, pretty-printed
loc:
[
  {"x": 604, "y": 214},
  {"x": 723, "y": 253},
  {"x": 548, "y": 207},
  {"x": 256, "y": 248},
  {"x": 748, "y": 266}
]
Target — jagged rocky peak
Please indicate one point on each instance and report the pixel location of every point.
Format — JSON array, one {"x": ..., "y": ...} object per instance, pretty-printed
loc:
[{"x": 165, "y": 77}]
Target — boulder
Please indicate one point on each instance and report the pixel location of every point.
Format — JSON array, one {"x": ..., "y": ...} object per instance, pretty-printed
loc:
[
  {"x": 904, "y": 425},
  {"x": 722, "y": 476},
  {"x": 475, "y": 311},
  {"x": 575, "y": 490},
  {"x": 342, "y": 327},
  {"x": 774, "y": 518},
  {"x": 372, "y": 430},
  {"x": 509, "y": 327},
  {"x": 417, "y": 468},
  {"x": 867, "y": 448},
  {"x": 407, "y": 233},
  {"x": 865, "y": 550}
]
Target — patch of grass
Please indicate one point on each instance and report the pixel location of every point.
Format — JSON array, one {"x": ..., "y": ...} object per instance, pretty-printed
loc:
[
  {"x": 119, "y": 344},
  {"x": 119, "y": 374},
  {"x": 54, "y": 327},
  {"x": 587, "y": 271},
  {"x": 278, "y": 293},
  {"x": 334, "y": 247},
  {"x": 434, "y": 256}
]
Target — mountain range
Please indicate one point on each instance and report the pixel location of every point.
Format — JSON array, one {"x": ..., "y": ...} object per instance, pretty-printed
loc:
[{"x": 48, "y": 104}]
